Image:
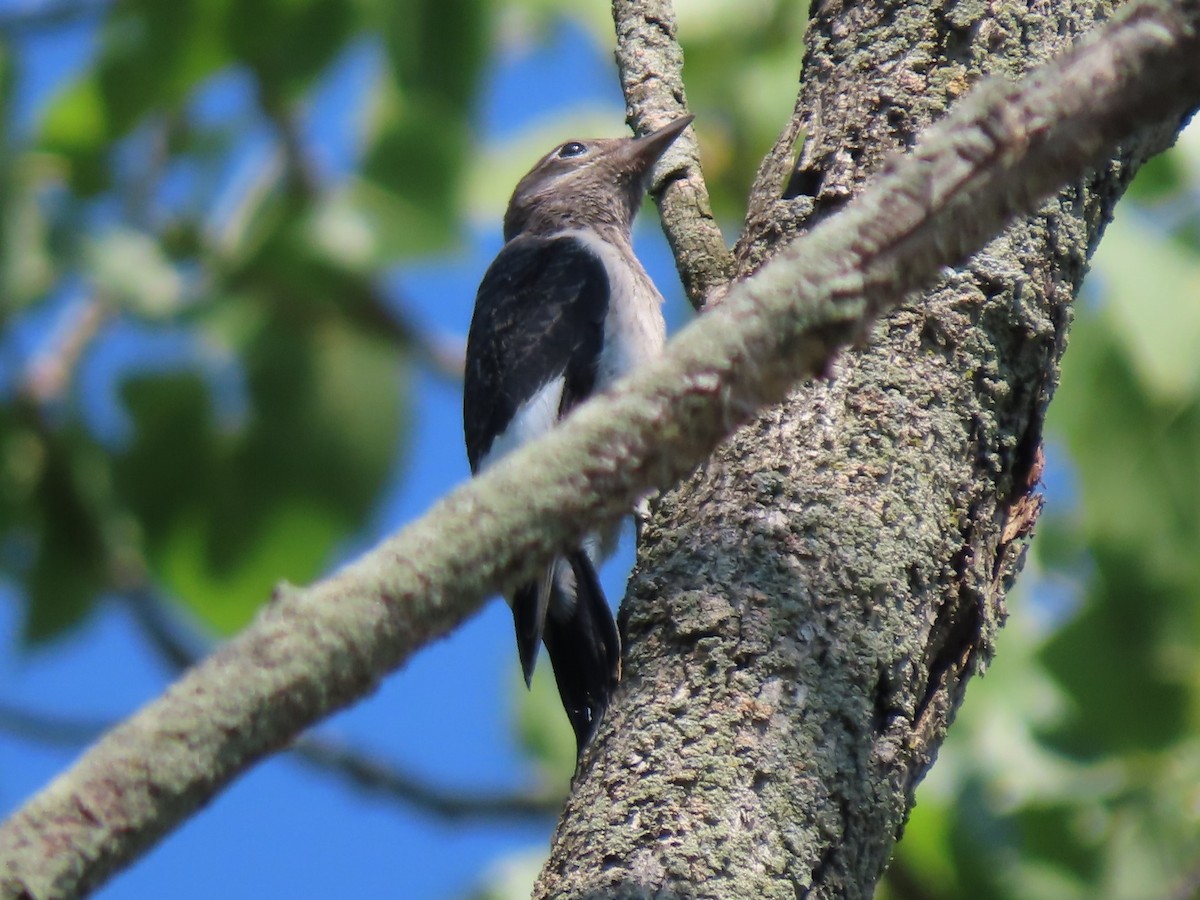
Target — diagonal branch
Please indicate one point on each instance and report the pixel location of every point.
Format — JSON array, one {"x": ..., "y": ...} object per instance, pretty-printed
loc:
[
  {"x": 315, "y": 650},
  {"x": 651, "y": 64},
  {"x": 368, "y": 772}
]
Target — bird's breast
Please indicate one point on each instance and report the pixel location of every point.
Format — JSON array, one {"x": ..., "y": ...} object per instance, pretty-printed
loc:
[{"x": 634, "y": 330}]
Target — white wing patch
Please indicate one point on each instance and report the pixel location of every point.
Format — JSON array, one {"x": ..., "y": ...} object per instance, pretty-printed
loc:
[{"x": 535, "y": 417}]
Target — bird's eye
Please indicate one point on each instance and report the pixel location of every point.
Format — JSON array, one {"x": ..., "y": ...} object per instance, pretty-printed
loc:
[{"x": 574, "y": 148}]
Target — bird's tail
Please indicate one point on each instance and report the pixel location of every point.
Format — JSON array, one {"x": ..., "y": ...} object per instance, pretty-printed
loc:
[
  {"x": 529, "y": 606},
  {"x": 581, "y": 638}
]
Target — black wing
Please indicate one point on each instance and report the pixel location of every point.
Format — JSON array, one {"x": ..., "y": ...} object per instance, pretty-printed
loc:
[{"x": 539, "y": 315}]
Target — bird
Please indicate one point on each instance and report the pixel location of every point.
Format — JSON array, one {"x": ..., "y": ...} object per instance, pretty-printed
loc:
[{"x": 563, "y": 311}]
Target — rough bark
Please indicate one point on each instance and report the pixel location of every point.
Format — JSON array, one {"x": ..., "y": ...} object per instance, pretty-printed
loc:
[
  {"x": 808, "y": 607},
  {"x": 651, "y": 65}
]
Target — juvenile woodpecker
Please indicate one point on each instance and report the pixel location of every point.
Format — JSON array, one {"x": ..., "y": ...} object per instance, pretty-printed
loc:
[{"x": 564, "y": 311}]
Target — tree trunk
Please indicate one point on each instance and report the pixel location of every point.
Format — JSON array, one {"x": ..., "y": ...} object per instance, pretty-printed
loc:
[{"x": 808, "y": 606}]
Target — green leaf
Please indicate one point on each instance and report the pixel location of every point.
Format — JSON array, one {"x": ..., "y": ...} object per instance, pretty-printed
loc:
[
  {"x": 153, "y": 54},
  {"x": 926, "y": 848},
  {"x": 1148, "y": 275},
  {"x": 293, "y": 541},
  {"x": 741, "y": 83},
  {"x": 227, "y": 513},
  {"x": 438, "y": 64},
  {"x": 1132, "y": 702},
  {"x": 170, "y": 468},
  {"x": 71, "y": 566},
  {"x": 1138, "y": 461},
  {"x": 287, "y": 43},
  {"x": 419, "y": 126},
  {"x": 1160, "y": 177},
  {"x": 510, "y": 878},
  {"x": 411, "y": 174},
  {"x": 151, "y": 57},
  {"x": 27, "y": 266},
  {"x": 313, "y": 265},
  {"x": 76, "y": 127},
  {"x": 1043, "y": 828}
]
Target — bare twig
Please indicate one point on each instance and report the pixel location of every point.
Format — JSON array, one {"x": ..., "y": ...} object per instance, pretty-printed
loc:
[
  {"x": 57, "y": 731},
  {"x": 776, "y": 166},
  {"x": 362, "y": 300},
  {"x": 773, "y": 171},
  {"x": 441, "y": 355},
  {"x": 144, "y": 183},
  {"x": 651, "y": 64},
  {"x": 177, "y": 645},
  {"x": 370, "y": 773},
  {"x": 312, "y": 651},
  {"x": 383, "y": 778},
  {"x": 444, "y": 355}
]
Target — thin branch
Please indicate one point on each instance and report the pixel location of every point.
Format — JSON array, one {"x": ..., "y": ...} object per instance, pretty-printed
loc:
[
  {"x": 144, "y": 183},
  {"x": 773, "y": 172},
  {"x": 57, "y": 731},
  {"x": 442, "y": 355},
  {"x": 775, "y": 167},
  {"x": 363, "y": 301},
  {"x": 296, "y": 172},
  {"x": 370, "y": 773},
  {"x": 651, "y": 65},
  {"x": 383, "y": 778},
  {"x": 177, "y": 645},
  {"x": 312, "y": 651}
]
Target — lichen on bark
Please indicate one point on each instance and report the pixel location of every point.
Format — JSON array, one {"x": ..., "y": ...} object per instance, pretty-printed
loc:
[{"x": 808, "y": 606}]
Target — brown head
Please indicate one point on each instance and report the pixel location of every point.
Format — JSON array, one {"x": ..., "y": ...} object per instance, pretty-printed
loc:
[{"x": 592, "y": 183}]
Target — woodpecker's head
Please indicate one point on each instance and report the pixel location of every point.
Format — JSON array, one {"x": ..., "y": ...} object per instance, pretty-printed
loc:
[{"x": 591, "y": 183}]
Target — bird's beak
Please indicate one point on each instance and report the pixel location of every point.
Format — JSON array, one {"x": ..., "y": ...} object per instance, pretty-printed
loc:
[{"x": 646, "y": 150}]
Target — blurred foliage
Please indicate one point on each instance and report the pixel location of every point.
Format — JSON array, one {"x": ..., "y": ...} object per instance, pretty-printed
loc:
[
  {"x": 744, "y": 87},
  {"x": 128, "y": 197},
  {"x": 742, "y": 74},
  {"x": 131, "y": 205}
]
